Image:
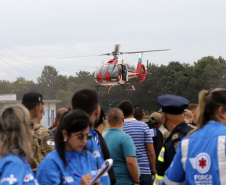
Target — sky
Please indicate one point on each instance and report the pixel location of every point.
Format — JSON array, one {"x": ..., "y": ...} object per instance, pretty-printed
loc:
[{"x": 35, "y": 33}]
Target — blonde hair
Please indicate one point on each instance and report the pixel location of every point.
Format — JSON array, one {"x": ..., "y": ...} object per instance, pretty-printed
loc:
[
  {"x": 209, "y": 101},
  {"x": 15, "y": 132}
]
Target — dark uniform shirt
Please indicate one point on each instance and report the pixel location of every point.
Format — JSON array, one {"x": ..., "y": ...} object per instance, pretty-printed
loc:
[
  {"x": 157, "y": 139},
  {"x": 106, "y": 155},
  {"x": 170, "y": 148}
]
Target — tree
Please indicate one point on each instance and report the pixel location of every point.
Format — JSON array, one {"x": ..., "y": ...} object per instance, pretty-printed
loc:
[
  {"x": 48, "y": 82},
  {"x": 6, "y": 87},
  {"x": 22, "y": 86}
]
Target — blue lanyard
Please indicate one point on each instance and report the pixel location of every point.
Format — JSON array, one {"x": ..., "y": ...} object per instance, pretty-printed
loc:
[{"x": 78, "y": 174}]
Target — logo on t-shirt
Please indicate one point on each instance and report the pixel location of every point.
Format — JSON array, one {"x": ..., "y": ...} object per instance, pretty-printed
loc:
[
  {"x": 68, "y": 179},
  {"x": 96, "y": 154},
  {"x": 28, "y": 177},
  {"x": 201, "y": 162},
  {"x": 11, "y": 179}
]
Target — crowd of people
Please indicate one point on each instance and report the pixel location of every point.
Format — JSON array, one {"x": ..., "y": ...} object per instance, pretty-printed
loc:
[{"x": 180, "y": 144}]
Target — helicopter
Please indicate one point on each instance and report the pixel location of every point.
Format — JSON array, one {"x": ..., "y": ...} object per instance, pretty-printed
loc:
[{"x": 115, "y": 72}]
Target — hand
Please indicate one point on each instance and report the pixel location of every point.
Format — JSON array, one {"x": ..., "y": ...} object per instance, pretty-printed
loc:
[
  {"x": 153, "y": 177},
  {"x": 54, "y": 124},
  {"x": 86, "y": 179},
  {"x": 136, "y": 183}
]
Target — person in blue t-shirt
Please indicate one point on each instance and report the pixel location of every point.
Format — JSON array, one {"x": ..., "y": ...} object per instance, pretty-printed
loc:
[
  {"x": 200, "y": 158},
  {"x": 122, "y": 150},
  {"x": 15, "y": 147},
  {"x": 69, "y": 163},
  {"x": 87, "y": 100}
]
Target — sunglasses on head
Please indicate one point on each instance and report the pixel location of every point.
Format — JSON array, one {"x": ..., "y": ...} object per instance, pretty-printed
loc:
[{"x": 82, "y": 136}]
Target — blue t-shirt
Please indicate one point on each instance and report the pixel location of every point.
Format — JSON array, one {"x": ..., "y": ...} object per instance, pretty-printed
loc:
[
  {"x": 120, "y": 146},
  {"x": 200, "y": 158},
  {"x": 51, "y": 170},
  {"x": 14, "y": 170},
  {"x": 95, "y": 149},
  {"x": 140, "y": 133}
]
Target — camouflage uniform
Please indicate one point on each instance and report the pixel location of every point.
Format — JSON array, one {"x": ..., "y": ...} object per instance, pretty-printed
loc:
[
  {"x": 45, "y": 138},
  {"x": 37, "y": 156}
]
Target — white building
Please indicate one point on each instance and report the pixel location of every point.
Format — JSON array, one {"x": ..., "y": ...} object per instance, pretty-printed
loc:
[{"x": 49, "y": 112}]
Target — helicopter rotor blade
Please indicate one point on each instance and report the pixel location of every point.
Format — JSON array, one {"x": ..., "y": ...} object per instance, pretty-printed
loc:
[
  {"x": 115, "y": 53},
  {"x": 143, "y": 51},
  {"x": 116, "y": 48}
]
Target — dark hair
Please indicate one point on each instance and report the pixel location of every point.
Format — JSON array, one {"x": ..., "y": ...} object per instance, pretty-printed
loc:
[
  {"x": 126, "y": 107},
  {"x": 72, "y": 121},
  {"x": 100, "y": 121},
  {"x": 86, "y": 100},
  {"x": 138, "y": 112},
  {"x": 30, "y": 106}
]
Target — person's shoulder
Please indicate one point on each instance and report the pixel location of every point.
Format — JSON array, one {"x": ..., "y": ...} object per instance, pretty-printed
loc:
[
  {"x": 125, "y": 137},
  {"x": 12, "y": 158},
  {"x": 10, "y": 161},
  {"x": 44, "y": 133},
  {"x": 186, "y": 128},
  {"x": 50, "y": 158},
  {"x": 42, "y": 129}
]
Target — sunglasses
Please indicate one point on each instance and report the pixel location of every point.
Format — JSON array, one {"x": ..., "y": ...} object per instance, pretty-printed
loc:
[{"x": 82, "y": 136}]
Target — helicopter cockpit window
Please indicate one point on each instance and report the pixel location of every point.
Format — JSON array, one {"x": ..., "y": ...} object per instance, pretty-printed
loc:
[
  {"x": 98, "y": 70},
  {"x": 113, "y": 71}
]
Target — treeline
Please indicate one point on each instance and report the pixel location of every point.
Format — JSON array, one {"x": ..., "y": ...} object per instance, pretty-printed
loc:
[{"x": 175, "y": 78}]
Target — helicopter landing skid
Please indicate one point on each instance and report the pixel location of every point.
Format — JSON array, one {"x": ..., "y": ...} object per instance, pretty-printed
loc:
[
  {"x": 122, "y": 85},
  {"x": 132, "y": 87}
]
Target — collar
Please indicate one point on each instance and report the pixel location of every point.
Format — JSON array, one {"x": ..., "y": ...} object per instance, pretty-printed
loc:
[
  {"x": 36, "y": 125},
  {"x": 129, "y": 119},
  {"x": 73, "y": 153},
  {"x": 92, "y": 131},
  {"x": 115, "y": 129}
]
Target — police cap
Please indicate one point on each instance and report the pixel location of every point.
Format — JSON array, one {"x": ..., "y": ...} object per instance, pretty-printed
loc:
[
  {"x": 172, "y": 104},
  {"x": 32, "y": 97}
]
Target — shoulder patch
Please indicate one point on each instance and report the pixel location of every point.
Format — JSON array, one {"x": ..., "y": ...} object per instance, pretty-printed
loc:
[
  {"x": 50, "y": 143},
  {"x": 175, "y": 136}
]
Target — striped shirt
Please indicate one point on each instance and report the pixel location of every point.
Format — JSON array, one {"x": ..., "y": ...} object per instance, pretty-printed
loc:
[{"x": 140, "y": 133}]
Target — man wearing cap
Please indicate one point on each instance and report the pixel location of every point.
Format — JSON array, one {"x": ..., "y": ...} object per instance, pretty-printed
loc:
[
  {"x": 154, "y": 124},
  {"x": 173, "y": 119},
  {"x": 33, "y": 102}
]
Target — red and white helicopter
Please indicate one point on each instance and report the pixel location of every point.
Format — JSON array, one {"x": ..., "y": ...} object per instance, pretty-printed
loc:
[{"x": 115, "y": 72}]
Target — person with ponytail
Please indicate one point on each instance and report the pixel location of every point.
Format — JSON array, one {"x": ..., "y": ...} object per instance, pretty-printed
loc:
[
  {"x": 15, "y": 147},
  {"x": 201, "y": 158},
  {"x": 70, "y": 162}
]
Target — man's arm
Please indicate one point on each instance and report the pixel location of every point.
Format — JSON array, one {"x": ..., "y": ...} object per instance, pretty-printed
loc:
[
  {"x": 133, "y": 168},
  {"x": 151, "y": 156}
]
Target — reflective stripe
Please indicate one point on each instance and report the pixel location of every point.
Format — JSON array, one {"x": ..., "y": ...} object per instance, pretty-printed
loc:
[
  {"x": 167, "y": 181},
  {"x": 161, "y": 154},
  {"x": 221, "y": 159},
  {"x": 158, "y": 180},
  {"x": 184, "y": 151}
]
